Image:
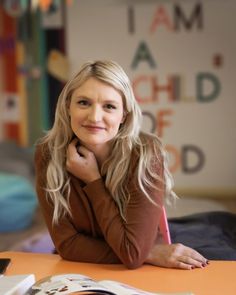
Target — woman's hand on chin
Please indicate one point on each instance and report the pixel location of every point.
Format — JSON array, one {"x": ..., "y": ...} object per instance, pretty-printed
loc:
[
  {"x": 82, "y": 163},
  {"x": 176, "y": 256}
]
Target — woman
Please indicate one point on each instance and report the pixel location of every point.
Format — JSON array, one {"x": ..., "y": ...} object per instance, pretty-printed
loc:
[{"x": 100, "y": 181}]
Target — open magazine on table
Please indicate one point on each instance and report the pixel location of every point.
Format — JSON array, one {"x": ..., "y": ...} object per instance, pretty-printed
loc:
[
  {"x": 16, "y": 284},
  {"x": 80, "y": 284}
]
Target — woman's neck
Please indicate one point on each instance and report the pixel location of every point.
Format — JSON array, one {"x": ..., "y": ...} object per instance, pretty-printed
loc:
[{"x": 101, "y": 152}]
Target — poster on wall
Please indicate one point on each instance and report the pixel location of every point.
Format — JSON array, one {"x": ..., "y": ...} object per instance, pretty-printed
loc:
[{"x": 180, "y": 57}]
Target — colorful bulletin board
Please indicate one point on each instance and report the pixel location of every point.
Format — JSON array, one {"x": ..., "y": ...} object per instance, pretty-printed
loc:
[
  {"x": 180, "y": 57},
  {"x": 23, "y": 85}
]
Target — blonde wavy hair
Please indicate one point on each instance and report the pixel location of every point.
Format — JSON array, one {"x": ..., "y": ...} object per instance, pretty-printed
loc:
[{"x": 128, "y": 140}]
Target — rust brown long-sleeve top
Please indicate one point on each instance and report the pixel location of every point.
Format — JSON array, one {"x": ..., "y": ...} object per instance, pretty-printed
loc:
[{"x": 96, "y": 231}]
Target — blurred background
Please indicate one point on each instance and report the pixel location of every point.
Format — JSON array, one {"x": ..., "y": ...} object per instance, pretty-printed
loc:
[{"x": 180, "y": 57}]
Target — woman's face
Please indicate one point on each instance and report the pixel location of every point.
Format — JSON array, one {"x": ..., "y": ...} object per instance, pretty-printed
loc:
[{"x": 96, "y": 111}]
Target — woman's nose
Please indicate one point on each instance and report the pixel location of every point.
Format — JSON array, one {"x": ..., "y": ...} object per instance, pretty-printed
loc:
[{"x": 95, "y": 114}]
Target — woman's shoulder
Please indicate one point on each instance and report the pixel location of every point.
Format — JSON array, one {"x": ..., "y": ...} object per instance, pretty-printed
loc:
[
  {"x": 149, "y": 138},
  {"x": 150, "y": 152},
  {"x": 148, "y": 146},
  {"x": 149, "y": 143}
]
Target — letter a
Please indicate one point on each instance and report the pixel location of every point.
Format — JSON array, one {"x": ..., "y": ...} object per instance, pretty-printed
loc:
[
  {"x": 143, "y": 54},
  {"x": 160, "y": 17}
]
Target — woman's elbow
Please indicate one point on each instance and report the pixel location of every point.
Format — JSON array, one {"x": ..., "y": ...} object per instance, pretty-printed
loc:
[
  {"x": 65, "y": 255},
  {"x": 133, "y": 263}
]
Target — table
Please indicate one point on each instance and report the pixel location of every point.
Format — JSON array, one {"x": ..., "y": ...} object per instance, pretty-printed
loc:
[{"x": 218, "y": 278}]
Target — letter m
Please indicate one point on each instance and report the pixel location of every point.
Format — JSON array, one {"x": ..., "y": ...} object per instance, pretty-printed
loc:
[{"x": 196, "y": 16}]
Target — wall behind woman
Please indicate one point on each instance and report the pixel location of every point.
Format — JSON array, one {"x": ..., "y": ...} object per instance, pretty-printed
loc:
[{"x": 180, "y": 57}]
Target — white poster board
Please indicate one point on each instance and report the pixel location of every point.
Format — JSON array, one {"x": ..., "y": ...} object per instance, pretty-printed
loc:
[{"x": 181, "y": 60}]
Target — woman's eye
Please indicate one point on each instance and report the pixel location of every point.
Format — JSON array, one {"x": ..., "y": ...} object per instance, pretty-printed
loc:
[
  {"x": 110, "y": 107},
  {"x": 83, "y": 102}
]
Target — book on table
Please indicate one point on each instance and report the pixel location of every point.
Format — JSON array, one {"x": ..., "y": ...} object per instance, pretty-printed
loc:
[
  {"x": 80, "y": 284},
  {"x": 16, "y": 284},
  {"x": 68, "y": 284}
]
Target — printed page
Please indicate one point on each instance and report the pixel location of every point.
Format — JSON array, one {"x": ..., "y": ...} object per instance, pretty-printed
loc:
[
  {"x": 67, "y": 284},
  {"x": 16, "y": 284},
  {"x": 123, "y": 289}
]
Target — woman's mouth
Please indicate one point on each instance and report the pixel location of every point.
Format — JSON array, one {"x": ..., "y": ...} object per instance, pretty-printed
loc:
[{"x": 94, "y": 128}]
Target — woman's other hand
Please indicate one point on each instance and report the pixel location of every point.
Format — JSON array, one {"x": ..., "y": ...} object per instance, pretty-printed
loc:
[
  {"x": 176, "y": 256},
  {"x": 82, "y": 163}
]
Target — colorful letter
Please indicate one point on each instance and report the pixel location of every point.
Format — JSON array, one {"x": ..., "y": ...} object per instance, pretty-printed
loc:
[
  {"x": 143, "y": 54},
  {"x": 187, "y": 150},
  {"x": 216, "y": 87},
  {"x": 160, "y": 17},
  {"x": 161, "y": 122},
  {"x": 188, "y": 24}
]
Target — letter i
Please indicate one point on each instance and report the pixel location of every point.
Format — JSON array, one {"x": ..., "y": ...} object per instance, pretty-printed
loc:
[{"x": 131, "y": 21}]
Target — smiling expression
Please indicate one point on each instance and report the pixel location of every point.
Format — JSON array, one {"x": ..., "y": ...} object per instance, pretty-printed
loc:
[{"x": 96, "y": 111}]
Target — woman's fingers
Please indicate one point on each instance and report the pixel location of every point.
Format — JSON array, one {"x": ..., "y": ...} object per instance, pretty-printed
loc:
[
  {"x": 84, "y": 151},
  {"x": 196, "y": 258},
  {"x": 74, "y": 142},
  {"x": 176, "y": 256},
  {"x": 81, "y": 162},
  {"x": 189, "y": 262},
  {"x": 72, "y": 148},
  {"x": 181, "y": 265}
]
